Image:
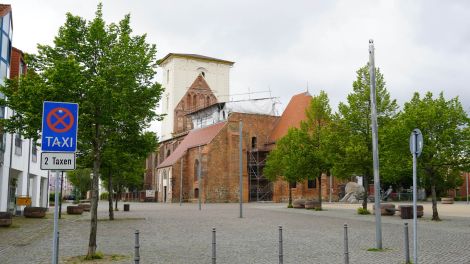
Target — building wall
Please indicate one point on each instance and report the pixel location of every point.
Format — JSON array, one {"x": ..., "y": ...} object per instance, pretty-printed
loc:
[
  {"x": 178, "y": 75},
  {"x": 301, "y": 191},
  {"x": 20, "y": 173},
  {"x": 220, "y": 162}
]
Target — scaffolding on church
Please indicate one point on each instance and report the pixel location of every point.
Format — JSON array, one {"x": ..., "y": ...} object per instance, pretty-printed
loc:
[{"x": 261, "y": 189}]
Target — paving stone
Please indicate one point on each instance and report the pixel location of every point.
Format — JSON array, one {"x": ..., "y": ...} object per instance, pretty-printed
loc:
[{"x": 170, "y": 233}]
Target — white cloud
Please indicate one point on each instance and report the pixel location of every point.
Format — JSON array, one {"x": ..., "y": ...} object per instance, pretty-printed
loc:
[{"x": 420, "y": 45}]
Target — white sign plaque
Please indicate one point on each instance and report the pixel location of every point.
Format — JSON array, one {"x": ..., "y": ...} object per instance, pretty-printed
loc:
[{"x": 57, "y": 161}]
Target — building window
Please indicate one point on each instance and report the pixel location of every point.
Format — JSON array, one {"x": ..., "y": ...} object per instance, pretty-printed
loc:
[
  {"x": 203, "y": 74},
  {"x": 312, "y": 184},
  {"x": 2, "y": 142},
  {"x": 167, "y": 76},
  {"x": 34, "y": 152},
  {"x": 293, "y": 184},
  {"x": 188, "y": 102},
  {"x": 6, "y": 23},
  {"x": 18, "y": 144},
  {"x": 5, "y": 46},
  {"x": 168, "y": 152},
  {"x": 196, "y": 169},
  {"x": 253, "y": 142}
]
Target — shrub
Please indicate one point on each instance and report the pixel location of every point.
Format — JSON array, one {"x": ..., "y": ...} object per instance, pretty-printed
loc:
[
  {"x": 290, "y": 206},
  {"x": 51, "y": 197},
  {"x": 104, "y": 196},
  {"x": 363, "y": 211},
  {"x": 97, "y": 255}
]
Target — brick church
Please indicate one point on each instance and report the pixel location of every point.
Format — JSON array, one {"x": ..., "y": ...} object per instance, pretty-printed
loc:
[{"x": 199, "y": 157}]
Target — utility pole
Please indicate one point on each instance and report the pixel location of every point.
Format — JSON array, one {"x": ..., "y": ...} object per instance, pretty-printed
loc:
[
  {"x": 375, "y": 147},
  {"x": 199, "y": 170},
  {"x": 467, "y": 186},
  {"x": 181, "y": 181},
  {"x": 241, "y": 168}
]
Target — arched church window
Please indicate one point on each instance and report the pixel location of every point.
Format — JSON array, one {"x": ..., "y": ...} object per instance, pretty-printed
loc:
[{"x": 196, "y": 170}]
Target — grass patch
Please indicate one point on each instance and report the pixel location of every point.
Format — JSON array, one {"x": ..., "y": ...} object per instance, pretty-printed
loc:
[
  {"x": 378, "y": 249},
  {"x": 317, "y": 209},
  {"x": 362, "y": 211},
  {"x": 99, "y": 257}
]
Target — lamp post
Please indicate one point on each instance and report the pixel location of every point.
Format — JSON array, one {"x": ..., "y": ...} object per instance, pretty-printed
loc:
[{"x": 375, "y": 147}]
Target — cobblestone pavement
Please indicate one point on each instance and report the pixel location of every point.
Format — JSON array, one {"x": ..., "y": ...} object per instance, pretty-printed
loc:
[{"x": 174, "y": 234}]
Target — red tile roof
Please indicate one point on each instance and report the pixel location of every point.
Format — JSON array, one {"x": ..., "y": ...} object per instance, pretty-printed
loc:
[
  {"x": 4, "y": 9},
  {"x": 196, "y": 137},
  {"x": 292, "y": 115}
]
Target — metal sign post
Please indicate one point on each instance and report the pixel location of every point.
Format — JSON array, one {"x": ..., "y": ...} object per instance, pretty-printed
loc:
[
  {"x": 375, "y": 148},
  {"x": 416, "y": 147},
  {"x": 55, "y": 248},
  {"x": 59, "y": 144}
]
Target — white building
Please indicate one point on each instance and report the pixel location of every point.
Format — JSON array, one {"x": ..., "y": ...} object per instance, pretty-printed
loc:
[
  {"x": 20, "y": 173},
  {"x": 180, "y": 71}
]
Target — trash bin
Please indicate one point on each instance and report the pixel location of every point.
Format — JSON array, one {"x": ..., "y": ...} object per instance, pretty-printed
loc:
[{"x": 126, "y": 207}]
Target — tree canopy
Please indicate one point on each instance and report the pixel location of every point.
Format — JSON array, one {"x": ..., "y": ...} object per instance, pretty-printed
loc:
[{"x": 353, "y": 139}]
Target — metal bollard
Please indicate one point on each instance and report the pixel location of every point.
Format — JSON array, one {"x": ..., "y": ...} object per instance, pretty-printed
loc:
[
  {"x": 346, "y": 251},
  {"x": 281, "y": 256},
  {"x": 57, "y": 253},
  {"x": 137, "y": 247},
  {"x": 213, "y": 246},
  {"x": 407, "y": 245}
]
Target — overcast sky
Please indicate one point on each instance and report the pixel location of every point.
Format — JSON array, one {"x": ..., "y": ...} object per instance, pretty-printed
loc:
[{"x": 283, "y": 45}]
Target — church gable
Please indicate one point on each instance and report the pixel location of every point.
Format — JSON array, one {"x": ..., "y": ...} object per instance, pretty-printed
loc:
[{"x": 198, "y": 96}]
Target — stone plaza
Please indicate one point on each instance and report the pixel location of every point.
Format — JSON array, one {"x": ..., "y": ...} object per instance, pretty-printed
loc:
[{"x": 170, "y": 233}]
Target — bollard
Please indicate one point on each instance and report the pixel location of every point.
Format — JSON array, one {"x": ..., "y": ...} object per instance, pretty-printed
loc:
[
  {"x": 137, "y": 247},
  {"x": 346, "y": 251},
  {"x": 57, "y": 253},
  {"x": 281, "y": 256},
  {"x": 213, "y": 246},
  {"x": 407, "y": 245}
]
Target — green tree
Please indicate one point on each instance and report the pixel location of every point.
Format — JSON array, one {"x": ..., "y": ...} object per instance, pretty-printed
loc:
[
  {"x": 291, "y": 159},
  {"x": 123, "y": 156},
  {"x": 106, "y": 70},
  {"x": 446, "y": 137},
  {"x": 81, "y": 179},
  {"x": 316, "y": 125},
  {"x": 351, "y": 141}
]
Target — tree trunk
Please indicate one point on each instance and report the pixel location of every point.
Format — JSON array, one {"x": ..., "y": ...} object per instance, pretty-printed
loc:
[
  {"x": 118, "y": 195},
  {"x": 110, "y": 197},
  {"x": 435, "y": 214},
  {"x": 290, "y": 196},
  {"x": 319, "y": 190},
  {"x": 94, "y": 194},
  {"x": 365, "y": 183}
]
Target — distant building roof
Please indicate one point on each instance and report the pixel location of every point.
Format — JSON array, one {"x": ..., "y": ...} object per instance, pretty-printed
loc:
[
  {"x": 194, "y": 56},
  {"x": 292, "y": 115},
  {"x": 197, "y": 137}
]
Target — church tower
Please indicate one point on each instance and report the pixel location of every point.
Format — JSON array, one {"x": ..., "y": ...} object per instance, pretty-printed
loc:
[{"x": 179, "y": 72}]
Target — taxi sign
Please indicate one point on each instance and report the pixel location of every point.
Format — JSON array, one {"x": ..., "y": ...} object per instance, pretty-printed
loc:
[{"x": 59, "y": 127}]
